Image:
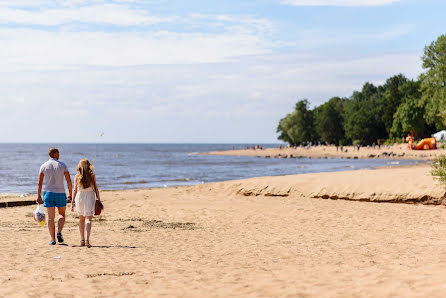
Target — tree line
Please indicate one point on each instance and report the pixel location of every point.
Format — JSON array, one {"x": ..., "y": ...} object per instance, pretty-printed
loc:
[{"x": 388, "y": 111}]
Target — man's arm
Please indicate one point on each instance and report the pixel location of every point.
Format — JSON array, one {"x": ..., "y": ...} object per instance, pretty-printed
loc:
[
  {"x": 39, "y": 188},
  {"x": 70, "y": 185}
]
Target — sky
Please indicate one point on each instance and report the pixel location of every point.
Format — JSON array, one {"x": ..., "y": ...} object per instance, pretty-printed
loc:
[{"x": 194, "y": 71}]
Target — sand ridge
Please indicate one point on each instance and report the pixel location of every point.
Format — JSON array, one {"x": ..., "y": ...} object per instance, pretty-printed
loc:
[{"x": 406, "y": 184}]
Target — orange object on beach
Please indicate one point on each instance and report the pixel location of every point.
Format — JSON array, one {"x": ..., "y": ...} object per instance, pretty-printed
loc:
[{"x": 426, "y": 144}]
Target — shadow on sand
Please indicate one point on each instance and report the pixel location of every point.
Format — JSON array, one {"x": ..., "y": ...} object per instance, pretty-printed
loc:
[{"x": 108, "y": 246}]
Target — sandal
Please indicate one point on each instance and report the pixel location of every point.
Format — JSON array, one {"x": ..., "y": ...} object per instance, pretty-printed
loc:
[
  {"x": 87, "y": 243},
  {"x": 82, "y": 242}
]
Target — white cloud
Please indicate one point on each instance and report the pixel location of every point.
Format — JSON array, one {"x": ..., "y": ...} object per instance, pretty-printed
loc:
[
  {"x": 78, "y": 41},
  {"x": 339, "y": 2},
  {"x": 23, "y": 3},
  {"x": 28, "y": 48},
  {"x": 322, "y": 37},
  {"x": 65, "y": 3},
  {"x": 232, "y": 23},
  {"x": 94, "y": 14}
]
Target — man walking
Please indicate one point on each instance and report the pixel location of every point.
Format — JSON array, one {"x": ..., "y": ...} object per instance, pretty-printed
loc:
[{"x": 53, "y": 172}]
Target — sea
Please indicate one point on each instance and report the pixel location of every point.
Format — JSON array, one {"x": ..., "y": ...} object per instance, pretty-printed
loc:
[{"x": 126, "y": 166}]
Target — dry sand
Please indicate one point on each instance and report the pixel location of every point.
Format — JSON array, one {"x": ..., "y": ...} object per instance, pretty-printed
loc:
[
  {"x": 399, "y": 151},
  {"x": 258, "y": 237}
]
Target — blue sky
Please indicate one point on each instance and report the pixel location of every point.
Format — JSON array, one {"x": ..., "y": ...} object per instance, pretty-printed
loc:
[{"x": 194, "y": 71}]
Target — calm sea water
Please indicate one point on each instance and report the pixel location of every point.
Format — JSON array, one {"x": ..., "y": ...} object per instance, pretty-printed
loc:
[{"x": 123, "y": 166}]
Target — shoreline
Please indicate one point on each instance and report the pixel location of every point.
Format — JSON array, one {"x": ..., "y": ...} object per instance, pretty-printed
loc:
[
  {"x": 12, "y": 197},
  {"x": 323, "y": 185},
  {"x": 349, "y": 152}
]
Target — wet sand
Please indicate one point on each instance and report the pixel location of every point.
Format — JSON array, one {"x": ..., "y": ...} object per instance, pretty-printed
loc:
[{"x": 269, "y": 236}]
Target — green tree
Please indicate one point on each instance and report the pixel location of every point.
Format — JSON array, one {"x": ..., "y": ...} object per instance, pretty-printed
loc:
[
  {"x": 297, "y": 127},
  {"x": 363, "y": 115},
  {"x": 391, "y": 99},
  {"x": 284, "y": 127},
  {"x": 329, "y": 121},
  {"x": 439, "y": 169},
  {"x": 409, "y": 117},
  {"x": 433, "y": 82}
]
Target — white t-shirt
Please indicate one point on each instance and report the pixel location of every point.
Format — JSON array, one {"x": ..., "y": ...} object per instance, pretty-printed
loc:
[{"x": 54, "y": 173}]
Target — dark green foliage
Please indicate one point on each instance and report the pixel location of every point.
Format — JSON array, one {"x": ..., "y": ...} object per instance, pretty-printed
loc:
[
  {"x": 363, "y": 116},
  {"x": 433, "y": 82},
  {"x": 391, "y": 99},
  {"x": 409, "y": 117},
  {"x": 439, "y": 168},
  {"x": 329, "y": 121},
  {"x": 298, "y": 127}
]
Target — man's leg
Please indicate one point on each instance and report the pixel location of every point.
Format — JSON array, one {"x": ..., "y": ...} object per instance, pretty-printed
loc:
[
  {"x": 51, "y": 214},
  {"x": 61, "y": 221}
]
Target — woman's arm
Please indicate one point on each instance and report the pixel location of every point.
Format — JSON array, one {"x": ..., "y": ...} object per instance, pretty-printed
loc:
[
  {"x": 74, "y": 193},
  {"x": 96, "y": 190}
]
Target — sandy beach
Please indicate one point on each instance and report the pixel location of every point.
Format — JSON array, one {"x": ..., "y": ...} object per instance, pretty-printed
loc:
[
  {"x": 399, "y": 151},
  {"x": 269, "y": 236}
]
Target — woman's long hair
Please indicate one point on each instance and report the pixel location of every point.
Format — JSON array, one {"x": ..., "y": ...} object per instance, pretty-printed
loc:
[{"x": 85, "y": 173}]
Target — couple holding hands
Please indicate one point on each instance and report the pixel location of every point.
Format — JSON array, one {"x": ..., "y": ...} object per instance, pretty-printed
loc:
[{"x": 85, "y": 193}]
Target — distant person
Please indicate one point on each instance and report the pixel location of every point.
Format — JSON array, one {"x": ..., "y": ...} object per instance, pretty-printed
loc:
[
  {"x": 85, "y": 194},
  {"x": 52, "y": 173},
  {"x": 410, "y": 140}
]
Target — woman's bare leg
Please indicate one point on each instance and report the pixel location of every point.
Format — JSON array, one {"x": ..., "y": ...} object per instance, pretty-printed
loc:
[
  {"x": 82, "y": 226},
  {"x": 89, "y": 219}
]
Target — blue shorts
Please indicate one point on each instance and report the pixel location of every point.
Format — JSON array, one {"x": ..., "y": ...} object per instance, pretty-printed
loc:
[{"x": 53, "y": 199}]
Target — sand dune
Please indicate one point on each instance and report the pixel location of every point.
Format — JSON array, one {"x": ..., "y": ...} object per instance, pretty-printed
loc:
[
  {"x": 411, "y": 184},
  {"x": 265, "y": 236}
]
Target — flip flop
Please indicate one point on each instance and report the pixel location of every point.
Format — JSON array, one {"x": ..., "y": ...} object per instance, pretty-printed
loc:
[
  {"x": 87, "y": 243},
  {"x": 82, "y": 242}
]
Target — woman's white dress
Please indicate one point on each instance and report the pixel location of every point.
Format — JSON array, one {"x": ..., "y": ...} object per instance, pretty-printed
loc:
[{"x": 85, "y": 200}]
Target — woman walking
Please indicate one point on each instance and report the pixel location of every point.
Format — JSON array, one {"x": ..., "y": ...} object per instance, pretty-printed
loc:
[{"x": 85, "y": 190}]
